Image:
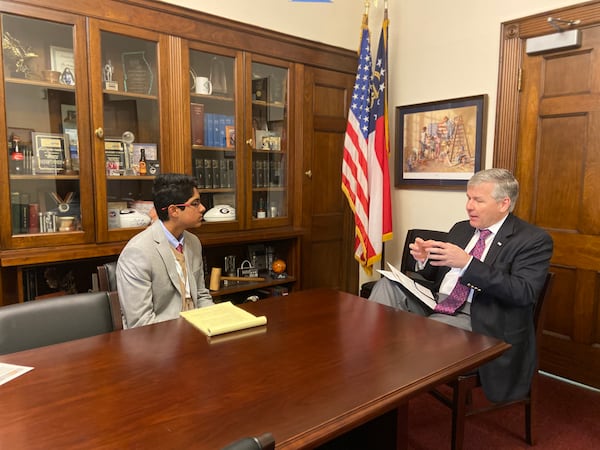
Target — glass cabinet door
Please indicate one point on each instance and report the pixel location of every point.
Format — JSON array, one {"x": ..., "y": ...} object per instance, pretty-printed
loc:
[
  {"x": 270, "y": 160},
  {"x": 44, "y": 90},
  {"x": 213, "y": 135},
  {"x": 126, "y": 128}
]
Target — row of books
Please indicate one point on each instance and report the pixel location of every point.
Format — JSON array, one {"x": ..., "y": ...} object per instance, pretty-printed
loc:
[
  {"x": 22, "y": 221},
  {"x": 267, "y": 173},
  {"x": 210, "y": 129},
  {"x": 214, "y": 173}
]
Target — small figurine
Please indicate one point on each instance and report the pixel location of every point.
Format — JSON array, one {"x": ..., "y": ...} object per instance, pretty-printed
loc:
[
  {"x": 108, "y": 71},
  {"x": 67, "y": 77}
]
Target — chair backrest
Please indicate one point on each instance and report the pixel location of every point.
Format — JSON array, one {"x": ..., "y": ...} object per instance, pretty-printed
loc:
[
  {"x": 265, "y": 441},
  {"x": 408, "y": 262},
  {"x": 59, "y": 319},
  {"x": 107, "y": 276},
  {"x": 538, "y": 309}
]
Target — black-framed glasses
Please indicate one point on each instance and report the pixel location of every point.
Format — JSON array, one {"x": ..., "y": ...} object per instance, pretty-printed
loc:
[{"x": 193, "y": 204}]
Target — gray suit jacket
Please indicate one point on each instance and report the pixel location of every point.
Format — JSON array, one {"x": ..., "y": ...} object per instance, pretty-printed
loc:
[
  {"x": 147, "y": 278},
  {"x": 507, "y": 285}
]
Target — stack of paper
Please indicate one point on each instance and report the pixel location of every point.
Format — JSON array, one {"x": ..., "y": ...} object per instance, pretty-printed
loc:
[
  {"x": 222, "y": 318},
  {"x": 419, "y": 291}
]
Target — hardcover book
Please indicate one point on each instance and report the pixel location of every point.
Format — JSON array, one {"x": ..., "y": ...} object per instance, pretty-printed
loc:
[{"x": 197, "y": 123}]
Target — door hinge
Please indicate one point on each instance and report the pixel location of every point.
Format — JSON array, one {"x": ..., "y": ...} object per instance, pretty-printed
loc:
[{"x": 519, "y": 79}]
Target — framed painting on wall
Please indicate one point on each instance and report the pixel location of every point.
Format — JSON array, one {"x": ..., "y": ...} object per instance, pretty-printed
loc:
[{"x": 439, "y": 144}]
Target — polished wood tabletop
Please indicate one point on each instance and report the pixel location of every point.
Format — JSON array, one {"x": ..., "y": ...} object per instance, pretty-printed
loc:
[{"x": 325, "y": 363}]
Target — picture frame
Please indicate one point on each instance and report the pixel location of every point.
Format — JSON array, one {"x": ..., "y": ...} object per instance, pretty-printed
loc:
[
  {"x": 62, "y": 59},
  {"x": 50, "y": 153},
  {"x": 267, "y": 140},
  {"x": 439, "y": 144},
  {"x": 115, "y": 157},
  {"x": 230, "y": 136}
]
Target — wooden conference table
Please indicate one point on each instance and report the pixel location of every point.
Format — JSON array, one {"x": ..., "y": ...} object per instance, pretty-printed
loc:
[{"x": 325, "y": 363}]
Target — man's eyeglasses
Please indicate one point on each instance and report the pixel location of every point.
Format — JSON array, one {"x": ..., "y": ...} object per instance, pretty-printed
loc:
[{"x": 193, "y": 204}]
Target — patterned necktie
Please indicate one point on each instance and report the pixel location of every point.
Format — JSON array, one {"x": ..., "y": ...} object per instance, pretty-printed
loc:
[{"x": 460, "y": 292}]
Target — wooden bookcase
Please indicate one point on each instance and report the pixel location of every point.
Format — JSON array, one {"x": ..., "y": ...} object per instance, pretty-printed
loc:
[{"x": 159, "y": 49}]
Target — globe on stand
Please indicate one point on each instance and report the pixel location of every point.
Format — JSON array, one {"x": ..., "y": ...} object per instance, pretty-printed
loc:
[{"x": 278, "y": 268}]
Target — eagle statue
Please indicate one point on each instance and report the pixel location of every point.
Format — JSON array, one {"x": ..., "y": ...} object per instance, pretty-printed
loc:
[{"x": 14, "y": 51}]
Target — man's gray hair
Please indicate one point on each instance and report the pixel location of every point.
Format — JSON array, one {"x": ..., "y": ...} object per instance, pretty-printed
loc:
[{"x": 506, "y": 184}]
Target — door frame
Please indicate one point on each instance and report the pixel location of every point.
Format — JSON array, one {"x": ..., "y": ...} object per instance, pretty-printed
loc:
[{"x": 513, "y": 36}]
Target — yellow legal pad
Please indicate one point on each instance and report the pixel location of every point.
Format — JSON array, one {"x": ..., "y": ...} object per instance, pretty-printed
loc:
[{"x": 222, "y": 318}]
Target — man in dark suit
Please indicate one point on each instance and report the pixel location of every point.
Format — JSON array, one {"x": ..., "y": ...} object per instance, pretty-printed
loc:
[{"x": 504, "y": 283}]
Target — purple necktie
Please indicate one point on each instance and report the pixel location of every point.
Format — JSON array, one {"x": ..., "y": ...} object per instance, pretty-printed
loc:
[
  {"x": 460, "y": 293},
  {"x": 179, "y": 248}
]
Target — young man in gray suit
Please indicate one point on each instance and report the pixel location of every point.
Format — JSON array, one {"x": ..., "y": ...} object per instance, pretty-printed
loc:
[
  {"x": 160, "y": 271},
  {"x": 500, "y": 286}
]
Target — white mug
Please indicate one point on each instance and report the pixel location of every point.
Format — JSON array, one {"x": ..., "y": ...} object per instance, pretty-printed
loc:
[{"x": 202, "y": 85}]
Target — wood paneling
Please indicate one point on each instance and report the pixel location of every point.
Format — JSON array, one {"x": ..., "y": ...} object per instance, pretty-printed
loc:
[
  {"x": 327, "y": 248},
  {"x": 548, "y": 132}
]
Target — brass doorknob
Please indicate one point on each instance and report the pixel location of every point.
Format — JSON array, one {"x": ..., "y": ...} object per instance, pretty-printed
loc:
[
  {"x": 308, "y": 173},
  {"x": 99, "y": 133}
]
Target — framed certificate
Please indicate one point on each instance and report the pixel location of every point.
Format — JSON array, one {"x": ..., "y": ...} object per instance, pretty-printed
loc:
[
  {"x": 50, "y": 153},
  {"x": 62, "y": 60}
]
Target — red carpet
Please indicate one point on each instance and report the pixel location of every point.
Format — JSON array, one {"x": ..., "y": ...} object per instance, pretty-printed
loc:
[{"x": 568, "y": 417}]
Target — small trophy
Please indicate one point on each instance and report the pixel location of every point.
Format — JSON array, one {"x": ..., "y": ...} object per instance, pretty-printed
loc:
[{"x": 107, "y": 75}]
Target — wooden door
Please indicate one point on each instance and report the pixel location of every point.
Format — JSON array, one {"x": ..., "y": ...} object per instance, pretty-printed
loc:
[
  {"x": 327, "y": 259},
  {"x": 557, "y": 162}
]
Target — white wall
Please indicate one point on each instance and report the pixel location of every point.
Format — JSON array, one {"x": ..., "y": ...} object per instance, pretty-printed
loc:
[{"x": 437, "y": 50}]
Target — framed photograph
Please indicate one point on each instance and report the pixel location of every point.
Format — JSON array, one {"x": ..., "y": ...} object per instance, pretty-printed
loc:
[
  {"x": 267, "y": 140},
  {"x": 115, "y": 157},
  {"x": 50, "y": 153},
  {"x": 439, "y": 144},
  {"x": 230, "y": 136}
]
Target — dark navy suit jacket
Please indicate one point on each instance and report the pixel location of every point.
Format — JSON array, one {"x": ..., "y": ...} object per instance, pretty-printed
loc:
[{"x": 507, "y": 285}]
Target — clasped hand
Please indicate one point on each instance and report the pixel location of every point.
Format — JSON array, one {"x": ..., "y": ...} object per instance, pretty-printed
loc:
[{"x": 439, "y": 253}]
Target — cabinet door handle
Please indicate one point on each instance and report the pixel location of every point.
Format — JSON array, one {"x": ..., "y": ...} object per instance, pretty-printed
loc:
[
  {"x": 249, "y": 142},
  {"x": 99, "y": 133},
  {"x": 308, "y": 173}
]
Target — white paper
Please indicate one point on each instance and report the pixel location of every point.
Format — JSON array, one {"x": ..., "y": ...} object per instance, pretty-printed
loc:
[
  {"x": 10, "y": 371},
  {"x": 421, "y": 292}
]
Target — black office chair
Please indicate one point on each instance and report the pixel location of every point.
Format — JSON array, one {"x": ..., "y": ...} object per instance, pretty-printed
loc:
[
  {"x": 107, "y": 276},
  {"x": 460, "y": 399},
  {"x": 263, "y": 442},
  {"x": 59, "y": 319},
  {"x": 407, "y": 264},
  {"x": 107, "y": 281}
]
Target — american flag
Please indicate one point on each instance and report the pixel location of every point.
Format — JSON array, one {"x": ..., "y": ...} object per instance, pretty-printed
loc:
[
  {"x": 354, "y": 164},
  {"x": 380, "y": 204}
]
